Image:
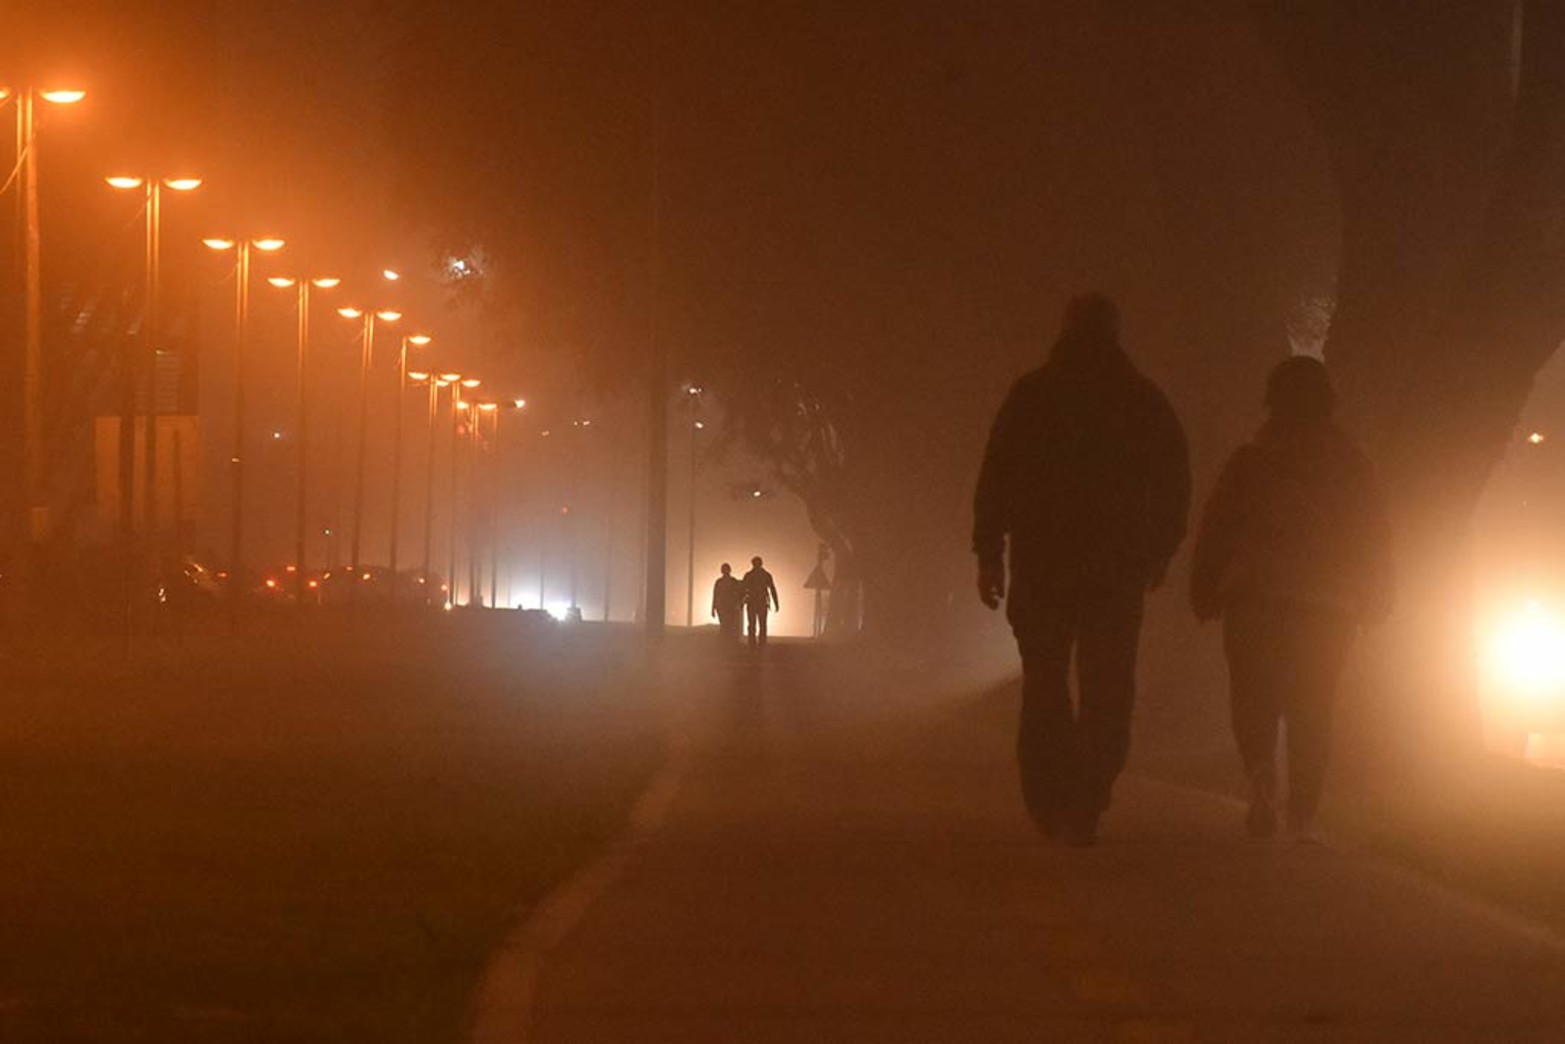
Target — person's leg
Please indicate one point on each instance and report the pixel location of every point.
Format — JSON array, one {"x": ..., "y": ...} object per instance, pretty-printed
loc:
[
  {"x": 749, "y": 624},
  {"x": 1254, "y": 674},
  {"x": 1318, "y": 647},
  {"x": 760, "y": 625},
  {"x": 1106, "y": 680},
  {"x": 1044, "y": 733}
]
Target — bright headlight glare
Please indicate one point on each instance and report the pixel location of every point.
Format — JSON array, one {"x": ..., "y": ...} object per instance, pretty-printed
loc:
[{"x": 1528, "y": 651}]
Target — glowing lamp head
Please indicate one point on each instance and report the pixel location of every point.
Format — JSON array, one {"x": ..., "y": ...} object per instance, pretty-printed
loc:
[
  {"x": 280, "y": 281},
  {"x": 350, "y": 313},
  {"x": 451, "y": 378},
  {"x": 388, "y": 315},
  {"x": 5, "y": 92},
  {"x": 520, "y": 403},
  {"x": 123, "y": 181},
  {"x": 183, "y": 184},
  {"x": 420, "y": 339},
  {"x": 269, "y": 244},
  {"x": 489, "y": 407},
  {"x": 471, "y": 382},
  {"x": 461, "y": 404},
  {"x": 218, "y": 243},
  {"x": 442, "y": 383},
  {"x": 61, "y": 96},
  {"x": 417, "y": 375},
  {"x": 391, "y": 275},
  {"x": 1536, "y": 438},
  {"x": 325, "y": 282}
]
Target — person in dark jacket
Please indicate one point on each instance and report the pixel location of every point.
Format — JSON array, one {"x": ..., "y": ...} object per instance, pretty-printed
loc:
[
  {"x": 760, "y": 597},
  {"x": 728, "y": 603},
  {"x": 1294, "y": 553},
  {"x": 1086, "y": 476}
]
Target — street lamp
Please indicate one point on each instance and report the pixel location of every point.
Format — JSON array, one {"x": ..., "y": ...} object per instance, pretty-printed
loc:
[
  {"x": 418, "y": 341},
  {"x": 241, "y": 248},
  {"x": 459, "y": 406},
  {"x": 436, "y": 382},
  {"x": 152, "y": 189},
  {"x": 366, "y": 357},
  {"x": 34, "y": 506},
  {"x": 301, "y": 413},
  {"x": 693, "y": 399}
]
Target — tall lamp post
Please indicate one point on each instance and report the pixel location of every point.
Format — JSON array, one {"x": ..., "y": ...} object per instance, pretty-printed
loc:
[
  {"x": 693, "y": 398},
  {"x": 303, "y": 285},
  {"x": 35, "y": 521},
  {"x": 241, "y": 248},
  {"x": 417, "y": 341},
  {"x": 436, "y": 382},
  {"x": 153, "y": 188},
  {"x": 366, "y": 358},
  {"x": 459, "y": 406}
]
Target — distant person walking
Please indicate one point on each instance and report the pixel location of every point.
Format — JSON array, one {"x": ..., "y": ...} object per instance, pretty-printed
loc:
[
  {"x": 728, "y": 603},
  {"x": 760, "y": 597},
  {"x": 1086, "y": 473},
  {"x": 1294, "y": 553}
]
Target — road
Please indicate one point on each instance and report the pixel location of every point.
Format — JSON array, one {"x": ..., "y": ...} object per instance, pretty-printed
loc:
[{"x": 822, "y": 863}]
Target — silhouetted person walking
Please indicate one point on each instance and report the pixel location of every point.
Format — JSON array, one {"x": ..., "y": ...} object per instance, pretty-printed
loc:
[
  {"x": 1294, "y": 553},
  {"x": 760, "y": 597},
  {"x": 728, "y": 602},
  {"x": 1086, "y": 473}
]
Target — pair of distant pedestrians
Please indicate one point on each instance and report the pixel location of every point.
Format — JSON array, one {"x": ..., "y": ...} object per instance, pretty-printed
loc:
[
  {"x": 753, "y": 598},
  {"x": 1085, "y": 484}
]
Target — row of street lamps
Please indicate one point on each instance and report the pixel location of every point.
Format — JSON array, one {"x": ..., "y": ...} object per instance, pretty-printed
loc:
[{"x": 140, "y": 377}]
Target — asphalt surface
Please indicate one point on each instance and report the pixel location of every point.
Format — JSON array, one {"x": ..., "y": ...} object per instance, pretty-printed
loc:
[{"x": 820, "y": 863}]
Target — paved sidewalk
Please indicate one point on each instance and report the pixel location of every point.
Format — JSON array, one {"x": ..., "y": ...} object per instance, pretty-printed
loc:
[{"x": 823, "y": 871}]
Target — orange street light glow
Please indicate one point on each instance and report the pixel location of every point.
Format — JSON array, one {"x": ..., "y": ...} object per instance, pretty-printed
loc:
[
  {"x": 326, "y": 282},
  {"x": 62, "y": 97},
  {"x": 489, "y": 407},
  {"x": 451, "y": 378},
  {"x": 461, "y": 404},
  {"x": 1536, "y": 438},
  {"x": 388, "y": 315},
  {"x": 219, "y": 243},
  {"x": 420, "y": 339},
  {"x": 415, "y": 375},
  {"x": 471, "y": 382},
  {"x": 280, "y": 281},
  {"x": 520, "y": 403},
  {"x": 390, "y": 274},
  {"x": 5, "y": 92},
  {"x": 123, "y": 181},
  {"x": 350, "y": 313},
  {"x": 269, "y": 243},
  {"x": 442, "y": 383},
  {"x": 182, "y": 184}
]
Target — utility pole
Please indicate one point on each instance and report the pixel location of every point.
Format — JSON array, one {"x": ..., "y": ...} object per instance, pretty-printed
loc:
[{"x": 657, "y": 389}]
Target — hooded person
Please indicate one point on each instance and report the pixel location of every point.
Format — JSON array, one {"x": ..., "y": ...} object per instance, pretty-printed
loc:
[
  {"x": 1085, "y": 485},
  {"x": 1294, "y": 554}
]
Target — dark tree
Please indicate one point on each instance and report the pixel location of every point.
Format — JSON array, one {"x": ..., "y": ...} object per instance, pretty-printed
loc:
[{"x": 1445, "y": 124}]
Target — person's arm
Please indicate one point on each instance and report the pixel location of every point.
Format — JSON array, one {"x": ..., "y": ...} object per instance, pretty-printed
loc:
[
  {"x": 1217, "y": 539},
  {"x": 1168, "y": 489},
  {"x": 771, "y": 586},
  {"x": 992, "y": 501},
  {"x": 716, "y": 589}
]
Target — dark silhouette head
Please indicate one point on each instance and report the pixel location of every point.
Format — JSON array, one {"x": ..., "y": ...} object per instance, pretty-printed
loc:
[
  {"x": 1299, "y": 391},
  {"x": 1091, "y": 317},
  {"x": 727, "y": 568},
  {"x": 756, "y": 561}
]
